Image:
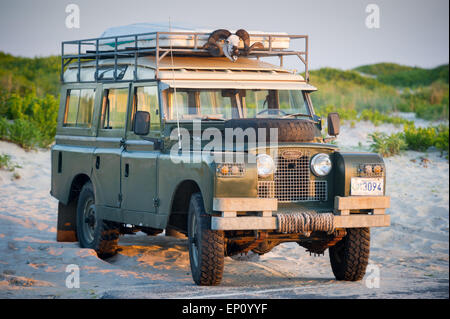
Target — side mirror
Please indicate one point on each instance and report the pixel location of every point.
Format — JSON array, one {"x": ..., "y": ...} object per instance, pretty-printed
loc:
[
  {"x": 141, "y": 123},
  {"x": 333, "y": 121}
]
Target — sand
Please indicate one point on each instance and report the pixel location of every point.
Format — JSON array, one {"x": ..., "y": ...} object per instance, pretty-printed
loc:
[{"x": 412, "y": 256}]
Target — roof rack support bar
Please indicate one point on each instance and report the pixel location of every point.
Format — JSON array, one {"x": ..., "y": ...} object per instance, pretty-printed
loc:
[
  {"x": 136, "y": 51},
  {"x": 306, "y": 59},
  {"x": 62, "y": 63},
  {"x": 157, "y": 56},
  {"x": 164, "y": 54},
  {"x": 79, "y": 61},
  {"x": 115, "y": 58},
  {"x": 96, "y": 60}
]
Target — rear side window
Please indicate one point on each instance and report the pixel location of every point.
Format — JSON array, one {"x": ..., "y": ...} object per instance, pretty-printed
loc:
[
  {"x": 114, "y": 108},
  {"x": 79, "y": 108}
]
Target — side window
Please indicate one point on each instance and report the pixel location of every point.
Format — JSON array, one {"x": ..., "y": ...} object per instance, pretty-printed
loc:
[
  {"x": 114, "y": 108},
  {"x": 146, "y": 99},
  {"x": 79, "y": 108}
]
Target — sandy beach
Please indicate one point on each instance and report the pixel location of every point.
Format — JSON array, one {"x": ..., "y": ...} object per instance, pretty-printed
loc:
[{"x": 412, "y": 255}]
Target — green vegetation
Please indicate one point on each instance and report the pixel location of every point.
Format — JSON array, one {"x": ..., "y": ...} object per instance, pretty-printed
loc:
[
  {"x": 405, "y": 76},
  {"x": 426, "y": 93},
  {"x": 387, "y": 145},
  {"x": 7, "y": 164},
  {"x": 376, "y": 117},
  {"x": 29, "y": 91},
  {"x": 412, "y": 138},
  {"x": 29, "y": 121},
  {"x": 29, "y": 75}
]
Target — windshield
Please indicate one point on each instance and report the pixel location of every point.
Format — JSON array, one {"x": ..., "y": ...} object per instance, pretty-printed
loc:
[{"x": 217, "y": 104}]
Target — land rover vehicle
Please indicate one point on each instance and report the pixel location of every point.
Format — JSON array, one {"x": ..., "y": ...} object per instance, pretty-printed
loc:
[{"x": 115, "y": 171}]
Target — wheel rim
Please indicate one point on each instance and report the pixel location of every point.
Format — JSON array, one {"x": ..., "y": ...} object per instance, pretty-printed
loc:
[
  {"x": 194, "y": 240},
  {"x": 89, "y": 220}
]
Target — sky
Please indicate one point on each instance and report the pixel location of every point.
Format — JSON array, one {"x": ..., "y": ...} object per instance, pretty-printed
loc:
[{"x": 411, "y": 32}]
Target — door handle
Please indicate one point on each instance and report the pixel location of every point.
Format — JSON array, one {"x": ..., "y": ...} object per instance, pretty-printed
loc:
[{"x": 97, "y": 162}]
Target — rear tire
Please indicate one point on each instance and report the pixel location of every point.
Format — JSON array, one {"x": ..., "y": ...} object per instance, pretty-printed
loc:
[
  {"x": 94, "y": 233},
  {"x": 206, "y": 246},
  {"x": 350, "y": 256}
]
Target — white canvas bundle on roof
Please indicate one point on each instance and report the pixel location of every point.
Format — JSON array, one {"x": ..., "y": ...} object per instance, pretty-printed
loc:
[{"x": 176, "y": 41}]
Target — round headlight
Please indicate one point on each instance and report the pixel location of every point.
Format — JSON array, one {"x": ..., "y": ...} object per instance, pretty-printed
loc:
[
  {"x": 265, "y": 165},
  {"x": 321, "y": 164}
]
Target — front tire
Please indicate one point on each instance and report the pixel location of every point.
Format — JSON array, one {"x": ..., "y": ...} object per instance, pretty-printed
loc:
[
  {"x": 94, "y": 233},
  {"x": 206, "y": 246},
  {"x": 350, "y": 256}
]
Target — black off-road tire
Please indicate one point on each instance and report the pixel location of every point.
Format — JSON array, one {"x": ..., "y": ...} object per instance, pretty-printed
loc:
[
  {"x": 350, "y": 256},
  {"x": 206, "y": 246},
  {"x": 289, "y": 130},
  {"x": 104, "y": 235}
]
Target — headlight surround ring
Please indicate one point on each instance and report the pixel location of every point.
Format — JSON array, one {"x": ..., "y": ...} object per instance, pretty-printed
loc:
[
  {"x": 265, "y": 165},
  {"x": 321, "y": 164}
]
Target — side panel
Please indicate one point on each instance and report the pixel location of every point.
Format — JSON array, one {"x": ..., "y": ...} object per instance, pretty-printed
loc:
[
  {"x": 106, "y": 171},
  {"x": 68, "y": 162},
  {"x": 139, "y": 176}
]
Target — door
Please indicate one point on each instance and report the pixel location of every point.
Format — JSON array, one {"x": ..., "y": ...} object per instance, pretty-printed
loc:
[
  {"x": 140, "y": 157},
  {"x": 110, "y": 141}
]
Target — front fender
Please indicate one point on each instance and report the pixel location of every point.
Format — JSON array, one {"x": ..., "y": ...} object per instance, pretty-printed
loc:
[{"x": 347, "y": 165}]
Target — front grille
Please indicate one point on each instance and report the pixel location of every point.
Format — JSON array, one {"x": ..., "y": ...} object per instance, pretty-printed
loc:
[{"x": 292, "y": 181}]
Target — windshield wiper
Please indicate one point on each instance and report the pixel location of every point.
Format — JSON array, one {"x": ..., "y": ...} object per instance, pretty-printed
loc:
[
  {"x": 207, "y": 118},
  {"x": 295, "y": 114}
]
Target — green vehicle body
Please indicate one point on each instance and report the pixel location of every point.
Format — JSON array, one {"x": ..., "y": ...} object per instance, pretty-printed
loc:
[{"x": 141, "y": 184}]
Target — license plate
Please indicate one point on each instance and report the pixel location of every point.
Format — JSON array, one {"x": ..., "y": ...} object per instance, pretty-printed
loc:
[{"x": 366, "y": 186}]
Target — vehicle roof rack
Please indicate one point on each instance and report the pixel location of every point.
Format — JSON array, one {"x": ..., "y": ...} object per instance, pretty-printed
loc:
[{"x": 91, "y": 50}]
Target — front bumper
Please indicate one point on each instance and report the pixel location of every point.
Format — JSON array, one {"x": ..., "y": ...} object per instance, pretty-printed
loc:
[{"x": 346, "y": 214}]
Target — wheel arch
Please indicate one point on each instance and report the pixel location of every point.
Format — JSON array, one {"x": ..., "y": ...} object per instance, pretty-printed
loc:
[
  {"x": 179, "y": 205},
  {"x": 77, "y": 184},
  {"x": 67, "y": 211}
]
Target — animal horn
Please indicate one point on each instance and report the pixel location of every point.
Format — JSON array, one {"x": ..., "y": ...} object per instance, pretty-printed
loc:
[
  {"x": 241, "y": 33},
  {"x": 212, "y": 46}
]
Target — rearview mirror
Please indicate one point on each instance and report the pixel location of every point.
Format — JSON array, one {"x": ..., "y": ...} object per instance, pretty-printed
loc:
[
  {"x": 333, "y": 122},
  {"x": 141, "y": 123}
]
